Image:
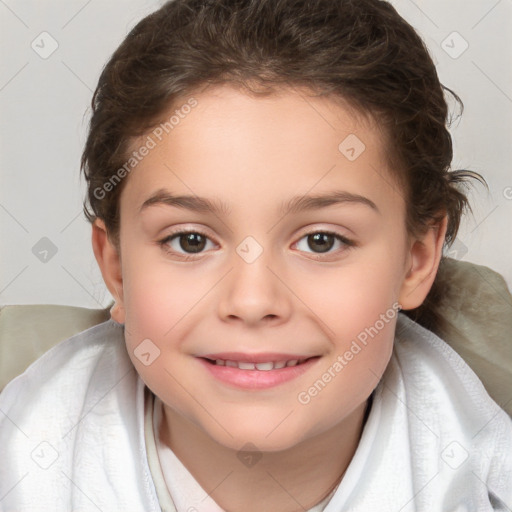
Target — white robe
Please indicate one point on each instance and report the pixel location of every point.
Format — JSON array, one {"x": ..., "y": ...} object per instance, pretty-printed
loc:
[{"x": 72, "y": 434}]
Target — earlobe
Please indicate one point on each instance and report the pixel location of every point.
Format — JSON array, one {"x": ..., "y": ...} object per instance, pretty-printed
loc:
[
  {"x": 109, "y": 261},
  {"x": 424, "y": 257}
]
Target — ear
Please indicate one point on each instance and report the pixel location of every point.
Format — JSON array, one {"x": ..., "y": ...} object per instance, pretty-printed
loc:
[
  {"x": 109, "y": 261},
  {"x": 423, "y": 261}
]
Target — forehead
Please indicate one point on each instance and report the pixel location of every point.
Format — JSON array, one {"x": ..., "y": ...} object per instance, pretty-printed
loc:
[{"x": 232, "y": 146}]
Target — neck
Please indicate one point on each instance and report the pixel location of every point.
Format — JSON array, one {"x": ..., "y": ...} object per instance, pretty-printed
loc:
[{"x": 285, "y": 481}]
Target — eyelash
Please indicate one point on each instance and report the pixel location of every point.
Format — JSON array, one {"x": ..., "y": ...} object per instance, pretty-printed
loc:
[{"x": 186, "y": 256}]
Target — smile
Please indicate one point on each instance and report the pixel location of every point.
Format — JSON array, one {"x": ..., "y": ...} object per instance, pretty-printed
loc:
[
  {"x": 256, "y": 372},
  {"x": 263, "y": 366}
]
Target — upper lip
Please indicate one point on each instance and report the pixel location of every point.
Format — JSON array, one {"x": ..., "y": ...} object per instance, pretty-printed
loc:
[{"x": 256, "y": 358}]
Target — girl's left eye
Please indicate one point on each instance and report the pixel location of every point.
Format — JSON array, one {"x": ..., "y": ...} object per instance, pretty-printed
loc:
[
  {"x": 325, "y": 240},
  {"x": 194, "y": 242}
]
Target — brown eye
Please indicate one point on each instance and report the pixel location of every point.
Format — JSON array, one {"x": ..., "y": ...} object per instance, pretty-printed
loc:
[
  {"x": 321, "y": 241},
  {"x": 185, "y": 242},
  {"x": 192, "y": 242}
]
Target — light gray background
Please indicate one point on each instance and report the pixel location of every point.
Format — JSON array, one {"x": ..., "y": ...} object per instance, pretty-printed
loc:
[{"x": 44, "y": 113}]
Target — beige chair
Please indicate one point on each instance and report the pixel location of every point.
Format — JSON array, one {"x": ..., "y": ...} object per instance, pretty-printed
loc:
[
  {"x": 27, "y": 332},
  {"x": 476, "y": 313}
]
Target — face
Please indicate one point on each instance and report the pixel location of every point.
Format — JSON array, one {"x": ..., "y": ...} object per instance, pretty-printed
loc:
[{"x": 271, "y": 275}]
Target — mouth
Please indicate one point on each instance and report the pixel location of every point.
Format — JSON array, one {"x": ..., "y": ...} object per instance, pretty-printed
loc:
[
  {"x": 260, "y": 366},
  {"x": 256, "y": 372}
]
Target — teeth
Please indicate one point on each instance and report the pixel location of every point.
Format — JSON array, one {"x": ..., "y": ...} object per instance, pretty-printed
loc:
[
  {"x": 246, "y": 366},
  {"x": 265, "y": 366},
  {"x": 258, "y": 366}
]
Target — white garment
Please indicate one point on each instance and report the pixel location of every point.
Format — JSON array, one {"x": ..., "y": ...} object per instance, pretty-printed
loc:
[{"x": 72, "y": 434}]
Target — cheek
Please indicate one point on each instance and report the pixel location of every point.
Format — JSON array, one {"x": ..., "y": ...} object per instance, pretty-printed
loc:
[
  {"x": 157, "y": 297},
  {"x": 351, "y": 298},
  {"x": 160, "y": 307},
  {"x": 361, "y": 326},
  {"x": 358, "y": 309}
]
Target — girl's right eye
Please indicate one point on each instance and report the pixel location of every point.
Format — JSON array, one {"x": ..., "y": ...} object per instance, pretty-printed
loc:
[{"x": 191, "y": 242}]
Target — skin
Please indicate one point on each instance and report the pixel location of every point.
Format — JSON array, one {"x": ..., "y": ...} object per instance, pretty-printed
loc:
[{"x": 253, "y": 153}]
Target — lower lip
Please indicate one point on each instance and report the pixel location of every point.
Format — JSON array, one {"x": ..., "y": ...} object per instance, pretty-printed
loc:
[{"x": 257, "y": 379}]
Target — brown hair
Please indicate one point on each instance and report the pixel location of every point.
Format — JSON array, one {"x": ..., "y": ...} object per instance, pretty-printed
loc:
[{"x": 360, "y": 51}]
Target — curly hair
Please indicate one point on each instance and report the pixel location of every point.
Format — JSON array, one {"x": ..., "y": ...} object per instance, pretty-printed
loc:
[{"x": 361, "y": 51}]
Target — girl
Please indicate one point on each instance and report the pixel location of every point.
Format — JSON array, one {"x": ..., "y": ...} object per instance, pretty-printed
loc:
[{"x": 268, "y": 187}]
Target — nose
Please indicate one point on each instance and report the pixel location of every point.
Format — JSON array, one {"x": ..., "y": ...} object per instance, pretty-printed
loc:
[{"x": 254, "y": 292}]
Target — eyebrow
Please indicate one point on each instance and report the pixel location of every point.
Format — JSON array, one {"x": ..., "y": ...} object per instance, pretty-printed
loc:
[{"x": 294, "y": 205}]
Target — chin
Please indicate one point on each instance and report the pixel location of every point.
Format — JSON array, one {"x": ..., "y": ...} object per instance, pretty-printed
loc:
[{"x": 264, "y": 437}]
